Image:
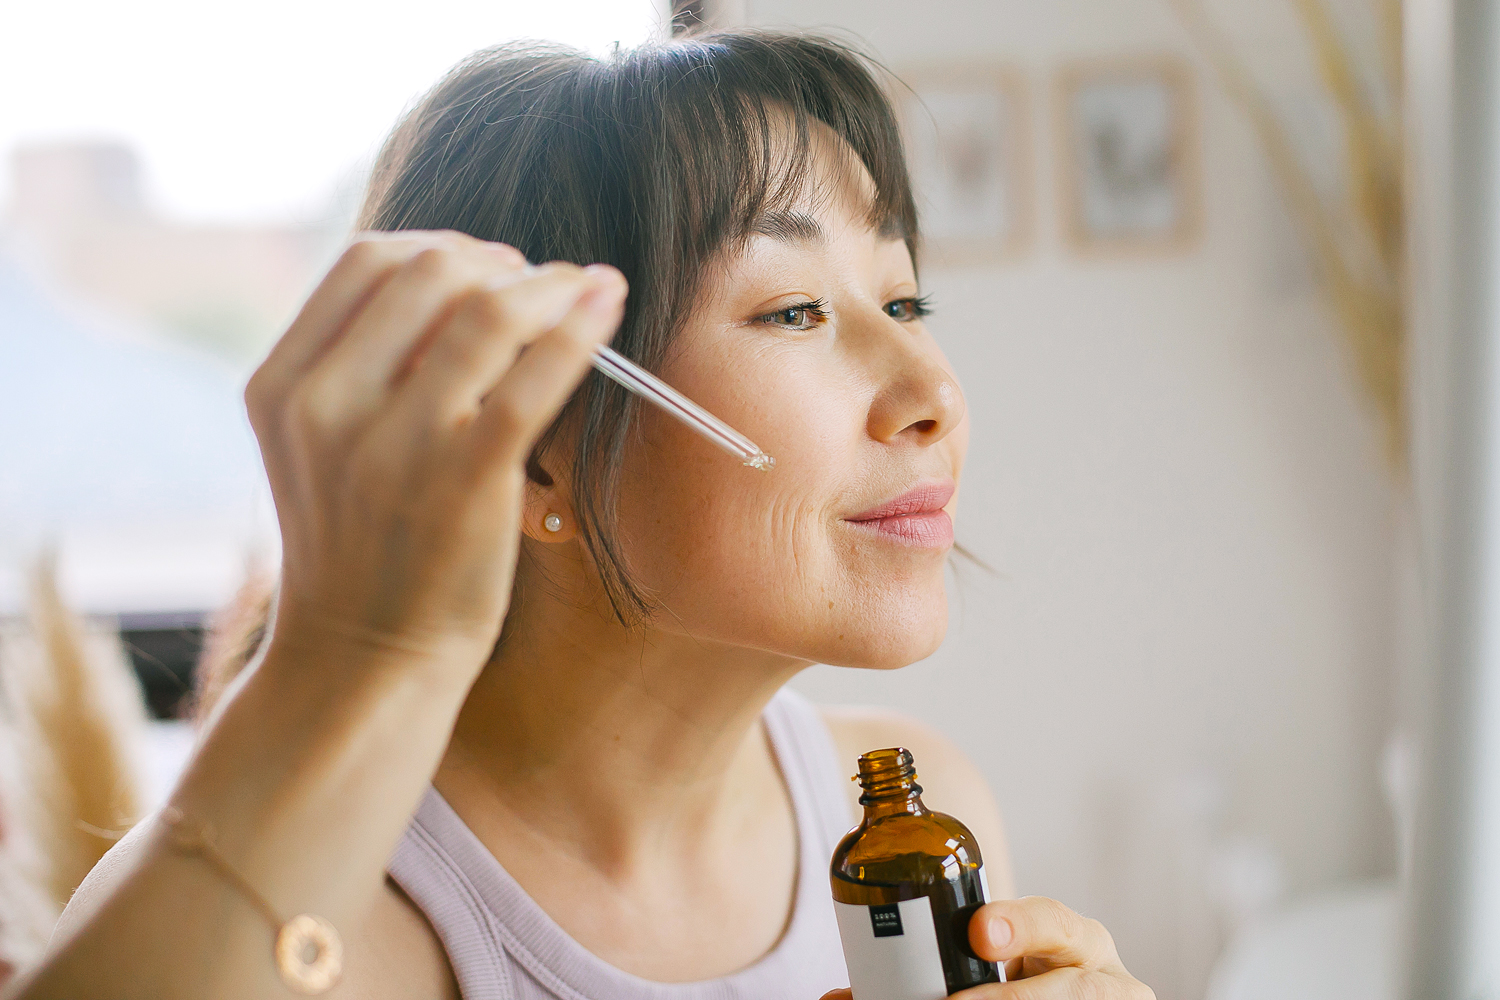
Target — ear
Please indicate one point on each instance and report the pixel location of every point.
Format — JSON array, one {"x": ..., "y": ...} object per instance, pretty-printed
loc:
[{"x": 548, "y": 515}]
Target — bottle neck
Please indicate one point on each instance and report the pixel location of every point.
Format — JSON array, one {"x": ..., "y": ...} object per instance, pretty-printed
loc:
[{"x": 889, "y": 782}]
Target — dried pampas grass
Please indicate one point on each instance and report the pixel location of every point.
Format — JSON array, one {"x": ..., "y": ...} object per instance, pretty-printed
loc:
[
  {"x": 75, "y": 722},
  {"x": 1358, "y": 242},
  {"x": 234, "y": 637},
  {"x": 27, "y": 912}
]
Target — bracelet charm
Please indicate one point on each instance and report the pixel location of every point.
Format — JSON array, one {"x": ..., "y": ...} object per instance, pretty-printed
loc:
[{"x": 309, "y": 953}]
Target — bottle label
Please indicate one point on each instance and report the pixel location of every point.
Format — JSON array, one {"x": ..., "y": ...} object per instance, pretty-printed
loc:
[{"x": 892, "y": 950}]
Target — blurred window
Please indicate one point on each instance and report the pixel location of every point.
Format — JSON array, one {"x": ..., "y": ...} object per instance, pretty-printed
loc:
[{"x": 175, "y": 179}]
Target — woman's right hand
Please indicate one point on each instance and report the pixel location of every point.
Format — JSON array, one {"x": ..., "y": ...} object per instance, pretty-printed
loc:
[{"x": 395, "y": 417}]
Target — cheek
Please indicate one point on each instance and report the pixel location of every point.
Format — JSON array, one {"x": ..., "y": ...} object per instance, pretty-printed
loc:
[
  {"x": 702, "y": 527},
  {"x": 763, "y": 559}
]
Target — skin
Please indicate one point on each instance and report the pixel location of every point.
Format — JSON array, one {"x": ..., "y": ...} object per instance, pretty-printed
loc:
[{"x": 621, "y": 775}]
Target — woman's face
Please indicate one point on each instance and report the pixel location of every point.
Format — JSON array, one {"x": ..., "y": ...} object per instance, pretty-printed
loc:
[{"x": 811, "y": 343}]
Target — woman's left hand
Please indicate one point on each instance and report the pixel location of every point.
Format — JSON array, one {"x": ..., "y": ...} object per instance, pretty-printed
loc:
[{"x": 1050, "y": 953}]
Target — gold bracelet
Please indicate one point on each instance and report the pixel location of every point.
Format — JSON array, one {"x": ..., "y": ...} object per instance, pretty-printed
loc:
[{"x": 309, "y": 954}]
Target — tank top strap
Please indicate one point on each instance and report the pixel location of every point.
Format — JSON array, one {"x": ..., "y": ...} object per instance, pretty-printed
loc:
[
  {"x": 811, "y": 768},
  {"x": 425, "y": 867}
]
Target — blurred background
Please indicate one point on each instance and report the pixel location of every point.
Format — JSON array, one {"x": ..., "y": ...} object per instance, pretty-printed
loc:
[{"x": 1166, "y": 247}]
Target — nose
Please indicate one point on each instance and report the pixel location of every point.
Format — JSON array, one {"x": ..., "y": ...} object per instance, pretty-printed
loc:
[{"x": 918, "y": 399}]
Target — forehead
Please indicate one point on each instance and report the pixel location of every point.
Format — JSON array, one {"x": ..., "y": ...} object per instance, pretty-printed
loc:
[
  {"x": 810, "y": 249},
  {"x": 818, "y": 192},
  {"x": 820, "y": 176}
]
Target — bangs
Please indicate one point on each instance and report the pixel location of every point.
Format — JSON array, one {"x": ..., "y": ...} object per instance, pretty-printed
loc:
[
  {"x": 657, "y": 161},
  {"x": 743, "y": 126}
]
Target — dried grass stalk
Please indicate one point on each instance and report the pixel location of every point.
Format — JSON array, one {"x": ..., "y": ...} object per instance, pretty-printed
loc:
[
  {"x": 234, "y": 637},
  {"x": 27, "y": 912},
  {"x": 79, "y": 724},
  {"x": 1359, "y": 244}
]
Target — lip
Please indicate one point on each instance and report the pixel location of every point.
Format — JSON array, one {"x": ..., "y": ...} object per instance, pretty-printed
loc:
[{"x": 914, "y": 518}]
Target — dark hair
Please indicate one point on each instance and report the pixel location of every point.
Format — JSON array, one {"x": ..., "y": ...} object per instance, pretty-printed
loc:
[{"x": 655, "y": 161}]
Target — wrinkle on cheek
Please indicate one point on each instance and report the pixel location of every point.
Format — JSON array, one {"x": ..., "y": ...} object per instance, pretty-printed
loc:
[{"x": 791, "y": 552}]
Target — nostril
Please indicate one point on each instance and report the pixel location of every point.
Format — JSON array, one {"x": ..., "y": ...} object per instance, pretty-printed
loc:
[{"x": 924, "y": 426}]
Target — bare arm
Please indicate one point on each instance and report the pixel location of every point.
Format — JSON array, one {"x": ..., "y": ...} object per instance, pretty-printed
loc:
[{"x": 395, "y": 417}]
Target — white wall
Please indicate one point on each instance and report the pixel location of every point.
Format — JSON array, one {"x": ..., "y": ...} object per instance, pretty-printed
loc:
[{"x": 1187, "y": 653}]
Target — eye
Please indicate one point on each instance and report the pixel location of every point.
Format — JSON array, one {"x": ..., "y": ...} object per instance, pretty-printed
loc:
[
  {"x": 802, "y": 316},
  {"x": 908, "y": 309}
]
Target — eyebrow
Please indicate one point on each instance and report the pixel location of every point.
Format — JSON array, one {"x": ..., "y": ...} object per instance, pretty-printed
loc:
[{"x": 789, "y": 227}]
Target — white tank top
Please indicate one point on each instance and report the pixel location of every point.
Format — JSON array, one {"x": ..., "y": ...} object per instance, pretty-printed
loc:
[{"x": 504, "y": 947}]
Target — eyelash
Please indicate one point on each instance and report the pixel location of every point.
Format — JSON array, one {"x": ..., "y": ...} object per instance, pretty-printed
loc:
[
  {"x": 817, "y": 310},
  {"x": 920, "y": 305}
]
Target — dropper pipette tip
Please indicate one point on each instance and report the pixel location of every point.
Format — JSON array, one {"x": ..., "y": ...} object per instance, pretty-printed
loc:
[{"x": 761, "y": 461}]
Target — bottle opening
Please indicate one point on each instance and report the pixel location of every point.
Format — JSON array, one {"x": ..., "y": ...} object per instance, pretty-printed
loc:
[{"x": 886, "y": 774}]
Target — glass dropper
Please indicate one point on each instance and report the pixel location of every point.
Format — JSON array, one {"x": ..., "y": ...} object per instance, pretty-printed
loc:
[{"x": 641, "y": 382}]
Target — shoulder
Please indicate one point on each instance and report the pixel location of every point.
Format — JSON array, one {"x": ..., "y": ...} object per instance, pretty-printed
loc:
[
  {"x": 951, "y": 782},
  {"x": 103, "y": 880}
]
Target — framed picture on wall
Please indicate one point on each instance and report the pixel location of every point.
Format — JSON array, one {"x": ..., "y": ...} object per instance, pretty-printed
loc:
[
  {"x": 968, "y": 149},
  {"x": 1128, "y": 149}
]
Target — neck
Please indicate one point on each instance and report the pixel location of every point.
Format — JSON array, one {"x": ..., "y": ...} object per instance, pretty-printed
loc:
[{"x": 614, "y": 743}]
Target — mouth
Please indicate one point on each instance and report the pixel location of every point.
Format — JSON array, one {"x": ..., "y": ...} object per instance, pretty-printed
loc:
[{"x": 916, "y": 518}]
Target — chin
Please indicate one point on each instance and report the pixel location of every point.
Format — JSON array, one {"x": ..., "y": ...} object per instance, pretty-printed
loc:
[{"x": 887, "y": 635}]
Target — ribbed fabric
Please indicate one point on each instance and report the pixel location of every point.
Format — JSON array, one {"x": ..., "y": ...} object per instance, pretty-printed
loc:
[{"x": 504, "y": 947}]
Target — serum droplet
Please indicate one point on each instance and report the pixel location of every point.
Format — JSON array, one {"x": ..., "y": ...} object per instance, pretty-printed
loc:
[{"x": 760, "y": 460}]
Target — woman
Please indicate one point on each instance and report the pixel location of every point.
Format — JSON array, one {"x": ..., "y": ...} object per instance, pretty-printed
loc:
[{"x": 556, "y": 625}]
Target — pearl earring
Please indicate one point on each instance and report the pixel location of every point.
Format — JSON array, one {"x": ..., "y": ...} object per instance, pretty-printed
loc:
[{"x": 552, "y": 522}]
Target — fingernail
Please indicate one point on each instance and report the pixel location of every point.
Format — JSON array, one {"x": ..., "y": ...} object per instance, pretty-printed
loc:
[
  {"x": 505, "y": 250},
  {"x": 603, "y": 299},
  {"x": 603, "y": 275},
  {"x": 1001, "y": 932}
]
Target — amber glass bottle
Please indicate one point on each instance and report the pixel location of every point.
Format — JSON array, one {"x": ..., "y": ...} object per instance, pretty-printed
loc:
[{"x": 905, "y": 883}]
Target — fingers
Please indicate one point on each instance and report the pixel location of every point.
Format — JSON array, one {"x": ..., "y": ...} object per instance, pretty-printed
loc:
[
  {"x": 1058, "y": 952},
  {"x": 1070, "y": 982},
  {"x": 366, "y": 263},
  {"x": 477, "y": 345},
  {"x": 531, "y": 393},
  {"x": 1039, "y": 928},
  {"x": 364, "y": 267},
  {"x": 353, "y": 377}
]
